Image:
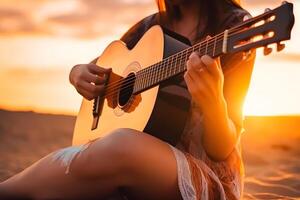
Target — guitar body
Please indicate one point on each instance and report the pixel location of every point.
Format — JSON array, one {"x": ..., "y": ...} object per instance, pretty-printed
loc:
[
  {"x": 142, "y": 112},
  {"x": 146, "y": 90}
]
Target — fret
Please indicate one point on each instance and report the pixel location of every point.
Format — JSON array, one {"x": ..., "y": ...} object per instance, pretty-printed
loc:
[
  {"x": 214, "y": 49},
  {"x": 176, "y": 63},
  {"x": 168, "y": 63},
  {"x": 178, "y": 69},
  {"x": 167, "y": 67},
  {"x": 193, "y": 48},
  {"x": 148, "y": 79},
  {"x": 141, "y": 79},
  {"x": 159, "y": 71},
  {"x": 154, "y": 74},
  {"x": 137, "y": 82},
  {"x": 224, "y": 45},
  {"x": 206, "y": 46},
  {"x": 151, "y": 75},
  {"x": 182, "y": 60},
  {"x": 158, "y": 66},
  {"x": 200, "y": 48},
  {"x": 144, "y": 78},
  {"x": 179, "y": 63},
  {"x": 209, "y": 49},
  {"x": 170, "y": 66},
  {"x": 163, "y": 67},
  {"x": 186, "y": 58},
  {"x": 135, "y": 86},
  {"x": 189, "y": 52}
]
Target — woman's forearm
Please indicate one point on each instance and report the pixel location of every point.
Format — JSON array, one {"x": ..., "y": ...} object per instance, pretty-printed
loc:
[
  {"x": 220, "y": 133},
  {"x": 205, "y": 80}
]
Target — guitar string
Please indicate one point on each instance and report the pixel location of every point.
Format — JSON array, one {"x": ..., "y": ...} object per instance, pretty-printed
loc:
[
  {"x": 164, "y": 61},
  {"x": 239, "y": 26},
  {"x": 127, "y": 87},
  {"x": 161, "y": 64},
  {"x": 128, "y": 82}
]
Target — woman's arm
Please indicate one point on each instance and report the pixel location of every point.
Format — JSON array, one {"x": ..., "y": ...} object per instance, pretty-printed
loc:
[
  {"x": 220, "y": 98},
  {"x": 88, "y": 79}
]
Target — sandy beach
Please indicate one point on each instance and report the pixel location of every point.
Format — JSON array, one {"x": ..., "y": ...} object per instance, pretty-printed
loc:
[{"x": 270, "y": 149}]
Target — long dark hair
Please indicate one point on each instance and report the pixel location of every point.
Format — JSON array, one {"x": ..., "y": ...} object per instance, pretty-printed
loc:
[{"x": 211, "y": 12}]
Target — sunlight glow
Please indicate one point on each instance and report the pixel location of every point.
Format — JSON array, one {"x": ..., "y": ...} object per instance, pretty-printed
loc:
[{"x": 42, "y": 40}]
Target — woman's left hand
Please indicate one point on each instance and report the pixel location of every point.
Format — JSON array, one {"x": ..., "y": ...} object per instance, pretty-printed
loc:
[{"x": 205, "y": 80}]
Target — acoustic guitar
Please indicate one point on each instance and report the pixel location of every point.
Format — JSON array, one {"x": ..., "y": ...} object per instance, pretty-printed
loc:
[{"x": 134, "y": 96}]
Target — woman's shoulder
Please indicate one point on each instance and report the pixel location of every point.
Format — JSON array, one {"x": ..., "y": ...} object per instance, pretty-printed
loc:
[
  {"x": 234, "y": 16},
  {"x": 133, "y": 35}
]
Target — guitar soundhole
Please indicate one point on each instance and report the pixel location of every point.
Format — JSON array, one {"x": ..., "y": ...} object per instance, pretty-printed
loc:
[{"x": 126, "y": 89}]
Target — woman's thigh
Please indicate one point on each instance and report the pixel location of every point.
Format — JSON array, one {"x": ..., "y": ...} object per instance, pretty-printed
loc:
[
  {"x": 144, "y": 166},
  {"x": 140, "y": 164}
]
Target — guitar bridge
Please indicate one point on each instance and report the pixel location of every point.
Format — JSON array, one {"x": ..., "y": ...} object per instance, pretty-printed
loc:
[
  {"x": 98, "y": 106},
  {"x": 95, "y": 122},
  {"x": 97, "y": 109}
]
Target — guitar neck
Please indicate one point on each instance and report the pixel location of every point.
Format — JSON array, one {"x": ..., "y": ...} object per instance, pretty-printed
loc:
[
  {"x": 176, "y": 64},
  {"x": 271, "y": 27}
]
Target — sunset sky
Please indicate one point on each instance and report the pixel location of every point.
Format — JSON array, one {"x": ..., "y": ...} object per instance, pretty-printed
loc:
[{"x": 40, "y": 41}]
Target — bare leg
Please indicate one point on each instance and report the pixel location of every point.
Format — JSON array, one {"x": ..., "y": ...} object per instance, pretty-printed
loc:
[{"x": 140, "y": 164}]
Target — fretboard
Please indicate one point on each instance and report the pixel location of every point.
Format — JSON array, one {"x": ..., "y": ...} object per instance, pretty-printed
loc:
[{"x": 176, "y": 64}]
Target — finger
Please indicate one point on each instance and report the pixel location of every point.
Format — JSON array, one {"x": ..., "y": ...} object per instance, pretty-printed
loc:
[
  {"x": 218, "y": 60},
  {"x": 95, "y": 69},
  {"x": 201, "y": 78},
  {"x": 94, "y": 89},
  {"x": 87, "y": 95},
  {"x": 211, "y": 65},
  {"x": 189, "y": 82},
  {"x": 195, "y": 61},
  {"x": 196, "y": 71},
  {"x": 195, "y": 88},
  {"x": 194, "y": 74},
  {"x": 97, "y": 80}
]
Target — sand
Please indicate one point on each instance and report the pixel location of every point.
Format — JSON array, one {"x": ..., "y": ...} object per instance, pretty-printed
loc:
[{"x": 271, "y": 149}]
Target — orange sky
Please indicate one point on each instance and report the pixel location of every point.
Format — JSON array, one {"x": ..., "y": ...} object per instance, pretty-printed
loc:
[{"x": 40, "y": 40}]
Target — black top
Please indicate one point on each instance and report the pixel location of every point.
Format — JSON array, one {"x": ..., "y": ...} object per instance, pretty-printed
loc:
[{"x": 173, "y": 95}]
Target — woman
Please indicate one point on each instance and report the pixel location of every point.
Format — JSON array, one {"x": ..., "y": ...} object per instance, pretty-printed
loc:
[{"x": 205, "y": 164}]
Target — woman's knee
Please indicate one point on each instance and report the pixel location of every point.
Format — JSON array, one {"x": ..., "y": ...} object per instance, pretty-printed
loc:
[
  {"x": 121, "y": 142},
  {"x": 115, "y": 151}
]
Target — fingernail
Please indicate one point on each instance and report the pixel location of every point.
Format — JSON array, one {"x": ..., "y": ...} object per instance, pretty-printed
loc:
[
  {"x": 207, "y": 59},
  {"x": 194, "y": 54}
]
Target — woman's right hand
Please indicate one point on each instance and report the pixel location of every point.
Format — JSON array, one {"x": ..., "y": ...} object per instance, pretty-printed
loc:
[{"x": 88, "y": 79}]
